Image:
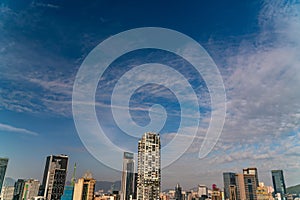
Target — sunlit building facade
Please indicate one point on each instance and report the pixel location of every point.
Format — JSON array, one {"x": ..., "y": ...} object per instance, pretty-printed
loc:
[{"x": 149, "y": 164}]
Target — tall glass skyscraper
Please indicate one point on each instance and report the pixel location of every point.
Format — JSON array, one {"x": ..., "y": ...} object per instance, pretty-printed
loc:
[
  {"x": 149, "y": 172},
  {"x": 229, "y": 183},
  {"x": 3, "y": 166},
  {"x": 54, "y": 179},
  {"x": 127, "y": 186},
  {"x": 278, "y": 183}
]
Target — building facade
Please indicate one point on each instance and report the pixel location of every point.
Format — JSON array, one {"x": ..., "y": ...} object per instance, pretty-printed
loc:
[
  {"x": 178, "y": 192},
  {"x": 31, "y": 189},
  {"x": 149, "y": 163},
  {"x": 263, "y": 192},
  {"x": 54, "y": 178},
  {"x": 229, "y": 185},
  {"x": 7, "y": 193},
  {"x": 240, "y": 187},
  {"x": 278, "y": 183},
  {"x": 84, "y": 189},
  {"x": 127, "y": 183},
  {"x": 3, "y": 166},
  {"x": 19, "y": 189}
]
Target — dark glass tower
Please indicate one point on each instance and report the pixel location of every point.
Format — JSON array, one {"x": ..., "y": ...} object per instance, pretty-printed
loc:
[
  {"x": 3, "y": 166},
  {"x": 19, "y": 189},
  {"x": 127, "y": 186},
  {"x": 54, "y": 179},
  {"x": 229, "y": 182},
  {"x": 278, "y": 183},
  {"x": 178, "y": 192}
]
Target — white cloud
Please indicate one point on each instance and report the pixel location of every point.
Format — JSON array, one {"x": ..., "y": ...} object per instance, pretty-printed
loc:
[{"x": 9, "y": 128}]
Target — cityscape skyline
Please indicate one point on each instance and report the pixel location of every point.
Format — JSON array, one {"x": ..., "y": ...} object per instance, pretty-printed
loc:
[
  {"x": 254, "y": 44},
  {"x": 246, "y": 185}
]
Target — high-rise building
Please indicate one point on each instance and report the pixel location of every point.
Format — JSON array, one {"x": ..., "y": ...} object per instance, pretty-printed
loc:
[
  {"x": 7, "y": 193},
  {"x": 31, "y": 189},
  {"x": 229, "y": 185},
  {"x": 278, "y": 183},
  {"x": 252, "y": 171},
  {"x": 149, "y": 172},
  {"x": 178, "y": 192},
  {"x": 84, "y": 188},
  {"x": 3, "y": 166},
  {"x": 250, "y": 186},
  {"x": 127, "y": 184},
  {"x": 202, "y": 191},
  {"x": 54, "y": 178},
  {"x": 240, "y": 187},
  {"x": 19, "y": 189}
]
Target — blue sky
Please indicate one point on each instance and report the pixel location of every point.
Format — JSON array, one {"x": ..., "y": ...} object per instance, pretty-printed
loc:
[{"x": 255, "y": 45}]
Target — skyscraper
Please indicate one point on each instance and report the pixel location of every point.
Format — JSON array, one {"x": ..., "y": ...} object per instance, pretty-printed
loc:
[
  {"x": 278, "y": 183},
  {"x": 252, "y": 171},
  {"x": 229, "y": 183},
  {"x": 85, "y": 187},
  {"x": 240, "y": 187},
  {"x": 19, "y": 189},
  {"x": 3, "y": 166},
  {"x": 149, "y": 174},
  {"x": 54, "y": 178},
  {"x": 178, "y": 192},
  {"x": 127, "y": 186}
]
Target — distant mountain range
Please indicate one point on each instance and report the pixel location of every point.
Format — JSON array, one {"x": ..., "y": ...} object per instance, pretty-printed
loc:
[{"x": 107, "y": 185}]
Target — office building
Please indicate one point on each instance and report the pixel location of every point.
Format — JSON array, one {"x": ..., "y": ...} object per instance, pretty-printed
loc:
[
  {"x": 202, "y": 191},
  {"x": 278, "y": 183},
  {"x": 54, "y": 178},
  {"x": 19, "y": 189},
  {"x": 31, "y": 189},
  {"x": 229, "y": 185},
  {"x": 252, "y": 171},
  {"x": 3, "y": 166},
  {"x": 84, "y": 188},
  {"x": 7, "y": 193},
  {"x": 149, "y": 172},
  {"x": 127, "y": 183},
  {"x": 240, "y": 187},
  {"x": 178, "y": 192},
  {"x": 250, "y": 186}
]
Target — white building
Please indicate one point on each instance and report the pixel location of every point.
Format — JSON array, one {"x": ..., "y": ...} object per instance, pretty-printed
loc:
[
  {"x": 7, "y": 193},
  {"x": 149, "y": 172}
]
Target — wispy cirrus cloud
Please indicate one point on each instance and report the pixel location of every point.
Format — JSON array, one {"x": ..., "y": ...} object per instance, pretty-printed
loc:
[{"x": 9, "y": 128}]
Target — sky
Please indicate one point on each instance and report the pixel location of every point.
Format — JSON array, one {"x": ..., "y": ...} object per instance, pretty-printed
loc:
[{"x": 255, "y": 46}]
